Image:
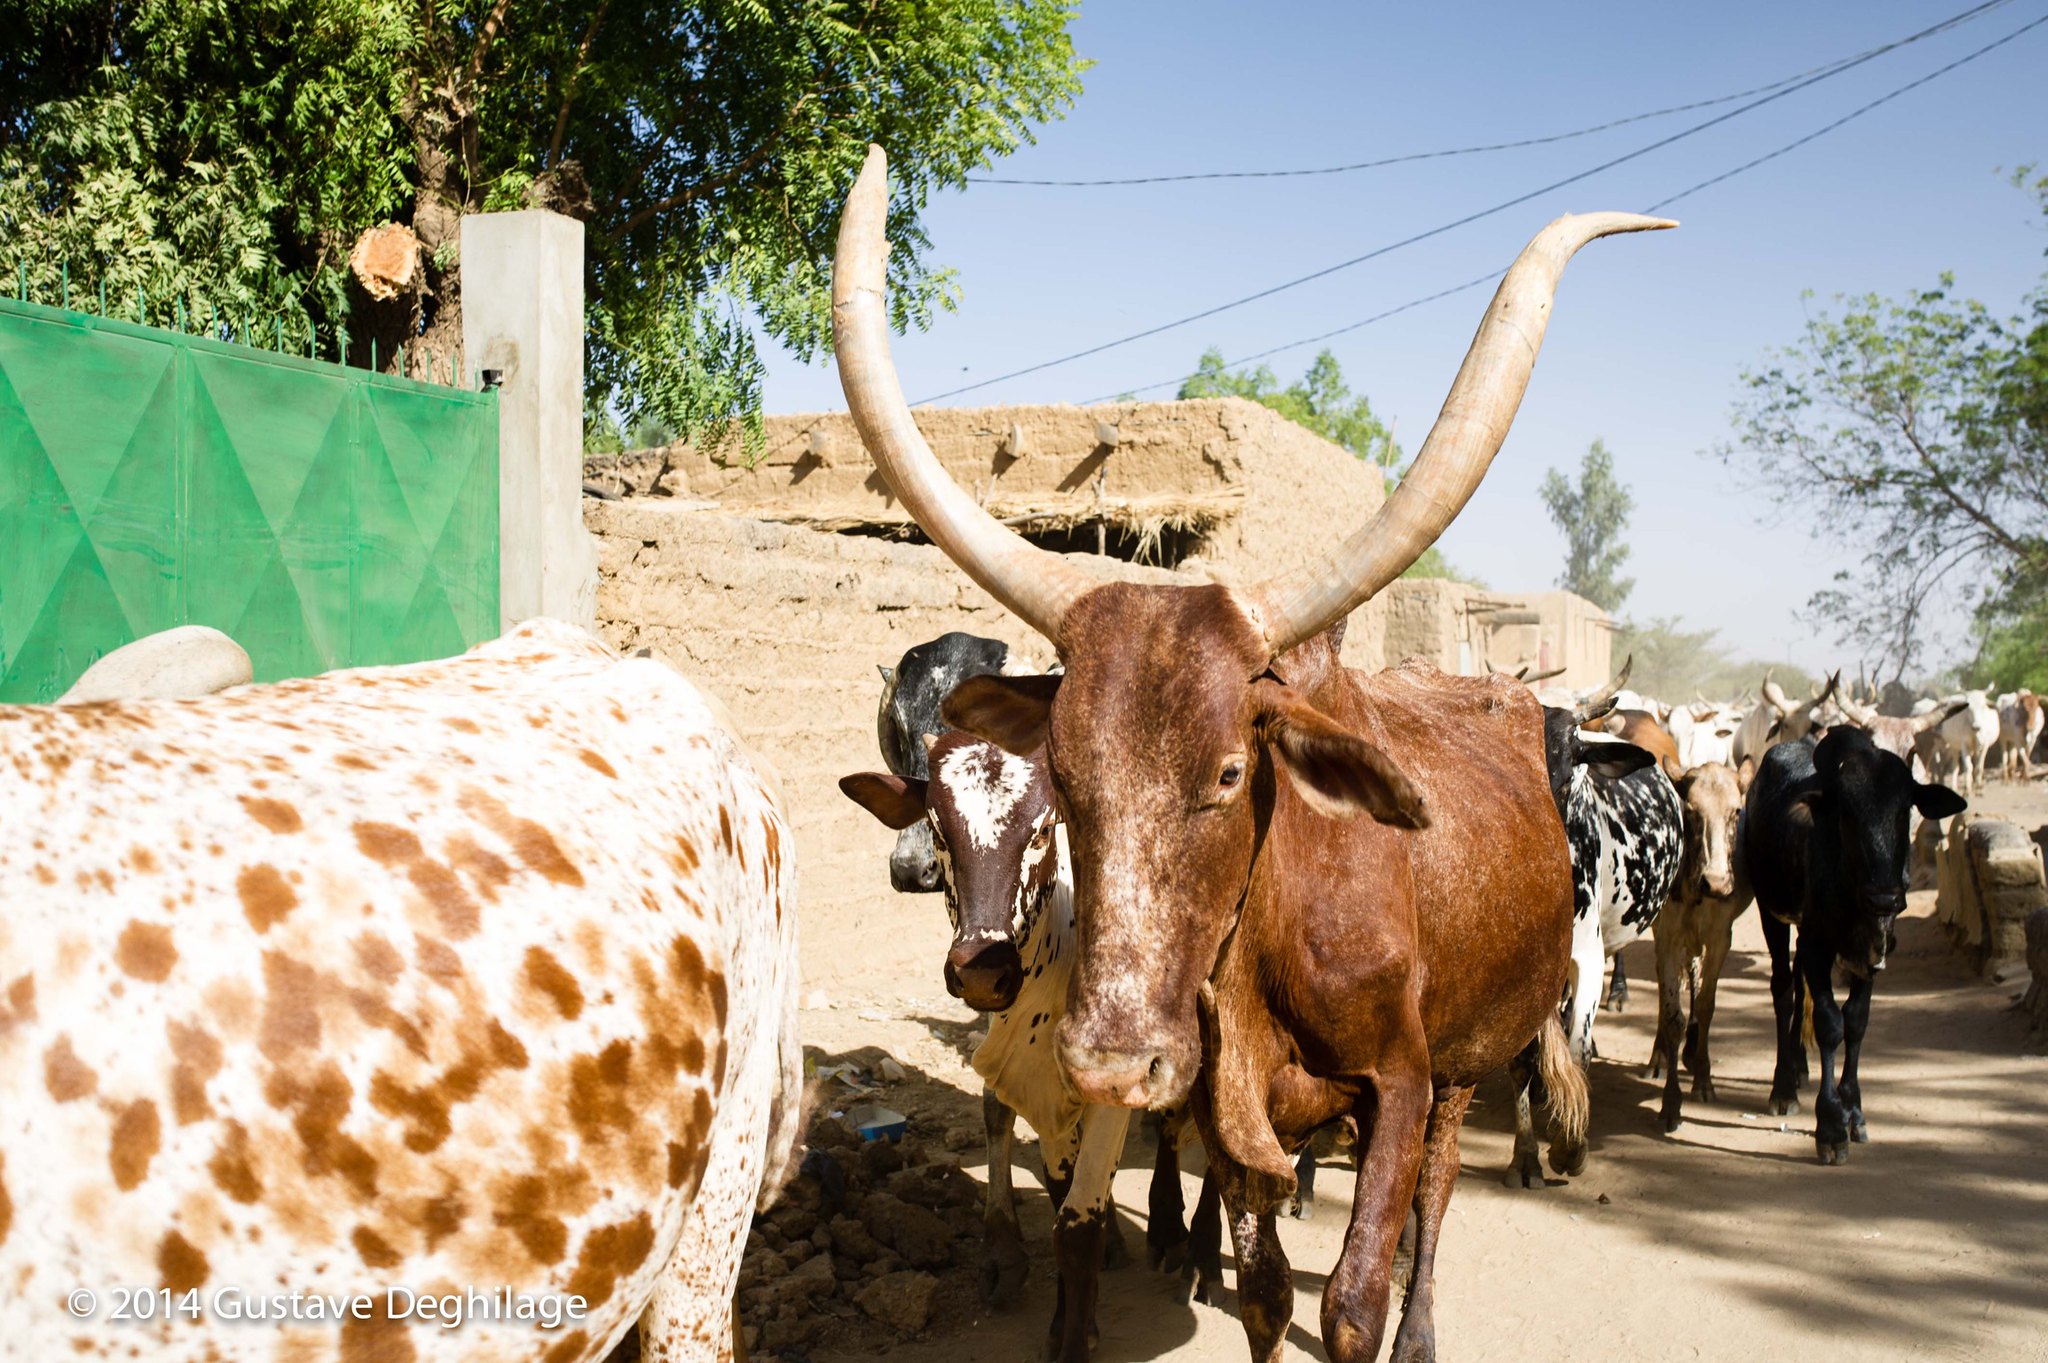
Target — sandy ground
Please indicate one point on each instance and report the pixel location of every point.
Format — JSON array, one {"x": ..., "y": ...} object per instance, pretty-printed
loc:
[{"x": 1724, "y": 1241}]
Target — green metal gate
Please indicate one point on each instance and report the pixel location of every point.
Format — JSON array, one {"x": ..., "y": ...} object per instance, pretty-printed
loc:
[{"x": 322, "y": 516}]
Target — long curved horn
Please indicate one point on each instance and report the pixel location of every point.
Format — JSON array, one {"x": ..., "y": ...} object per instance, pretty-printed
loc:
[
  {"x": 1774, "y": 694},
  {"x": 1036, "y": 584},
  {"x": 1543, "y": 676},
  {"x": 1601, "y": 701},
  {"x": 1938, "y": 716},
  {"x": 1862, "y": 716},
  {"x": 1454, "y": 457},
  {"x": 1834, "y": 682}
]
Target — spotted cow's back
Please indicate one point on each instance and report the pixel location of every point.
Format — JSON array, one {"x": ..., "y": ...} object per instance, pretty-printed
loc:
[{"x": 475, "y": 974}]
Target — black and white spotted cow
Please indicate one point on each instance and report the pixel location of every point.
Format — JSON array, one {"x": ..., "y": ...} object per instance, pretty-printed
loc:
[
  {"x": 1010, "y": 893},
  {"x": 1625, "y": 826}
]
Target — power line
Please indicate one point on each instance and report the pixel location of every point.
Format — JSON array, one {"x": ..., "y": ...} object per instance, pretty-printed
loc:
[
  {"x": 1842, "y": 63},
  {"x": 1469, "y": 218},
  {"x": 1661, "y": 204}
]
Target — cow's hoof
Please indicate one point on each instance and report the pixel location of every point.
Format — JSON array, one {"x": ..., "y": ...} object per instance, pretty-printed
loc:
[
  {"x": 1525, "y": 1172},
  {"x": 1672, "y": 1120},
  {"x": 1299, "y": 1207},
  {"x": 1832, "y": 1152},
  {"x": 1783, "y": 1106},
  {"x": 1703, "y": 1088},
  {"x": 1003, "y": 1271},
  {"x": 1859, "y": 1131},
  {"x": 1654, "y": 1071},
  {"x": 1569, "y": 1160},
  {"x": 1166, "y": 1256}
]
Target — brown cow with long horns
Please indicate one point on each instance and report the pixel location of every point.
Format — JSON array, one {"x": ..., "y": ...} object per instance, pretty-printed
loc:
[{"x": 1244, "y": 938}]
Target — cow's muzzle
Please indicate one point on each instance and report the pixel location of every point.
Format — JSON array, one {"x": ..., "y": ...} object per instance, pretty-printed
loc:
[
  {"x": 1146, "y": 1076},
  {"x": 914, "y": 864},
  {"x": 986, "y": 975},
  {"x": 1717, "y": 886}
]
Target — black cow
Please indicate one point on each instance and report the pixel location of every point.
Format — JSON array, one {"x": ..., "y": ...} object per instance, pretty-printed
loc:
[
  {"x": 1825, "y": 848},
  {"x": 909, "y": 718}
]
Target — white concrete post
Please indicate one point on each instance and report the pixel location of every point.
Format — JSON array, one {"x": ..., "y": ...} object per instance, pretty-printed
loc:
[{"x": 522, "y": 314}]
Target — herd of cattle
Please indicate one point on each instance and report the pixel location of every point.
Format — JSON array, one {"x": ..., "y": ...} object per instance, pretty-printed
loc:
[{"x": 481, "y": 973}]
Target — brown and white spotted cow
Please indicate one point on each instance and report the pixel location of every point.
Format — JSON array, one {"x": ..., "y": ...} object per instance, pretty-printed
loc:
[
  {"x": 1010, "y": 892},
  {"x": 474, "y": 975}
]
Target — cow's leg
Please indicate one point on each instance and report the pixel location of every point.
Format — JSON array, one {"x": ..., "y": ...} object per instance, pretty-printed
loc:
[
  {"x": 1166, "y": 1232},
  {"x": 1830, "y": 1124},
  {"x": 1203, "y": 1273},
  {"x": 1617, "y": 990},
  {"x": 1060, "y": 1154},
  {"x": 1589, "y": 963},
  {"x": 1004, "y": 1265},
  {"x": 1719, "y": 934},
  {"x": 1526, "y": 1170},
  {"x": 1673, "y": 964},
  {"x": 1415, "y": 1341},
  {"x": 1265, "y": 1283},
  {"x": 1855, "y": 1018},
  {"x": 1355, "y": 1300},
  {"x": 1077, "y": 1232},
  {"x": 1302, "y": 1204},
  {"x": 1786, "y": 1005}
]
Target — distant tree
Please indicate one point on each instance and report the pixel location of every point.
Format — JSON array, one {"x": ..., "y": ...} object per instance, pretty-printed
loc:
[
  {"x": 223, "y": 159},
  {"x": 1671, "y": 662},
  {"x": 1592, "y": 515},
  {"x": 1319, "y": 401},
  {"x": 1915, "y": 432}
]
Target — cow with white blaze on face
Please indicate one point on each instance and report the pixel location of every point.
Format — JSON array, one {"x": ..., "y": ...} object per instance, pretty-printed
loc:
[
  {"x": 472, "y": 973},
  {"x": 908, "y": 719},
  {"x": 1247, "y": 940},
  {"x": 1010, "y": 893},
  {"x": 1824, "y": 847}
]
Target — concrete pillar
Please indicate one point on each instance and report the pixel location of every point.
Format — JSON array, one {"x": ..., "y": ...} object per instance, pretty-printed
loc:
[{"x": 522, "y": 314}]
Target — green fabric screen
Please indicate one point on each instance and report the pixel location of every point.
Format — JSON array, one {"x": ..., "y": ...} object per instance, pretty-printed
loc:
[{"x": 321, "y": 516}]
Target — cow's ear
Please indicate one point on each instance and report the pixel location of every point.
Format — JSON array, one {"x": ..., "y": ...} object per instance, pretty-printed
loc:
[
  {"x": 1010, "y": 712},
  {"x": 1683, "y": 781},
  {"x": 898, "y": 801},
  {"x": 1610, "y": 760},
  {"x": 1804, "y": 808},
  {"x": 1937, "y": 802},
  {"x": 1336, "y": 771},
  {"x": 1744, "y": 774}
]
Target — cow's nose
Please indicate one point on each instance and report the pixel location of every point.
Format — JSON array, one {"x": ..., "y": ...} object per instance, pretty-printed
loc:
[
  {"x": 1719, "y": 887},
  {"x": 914, "y": 875},
  {"x": 985, "y": 975},
  {"x": 1142, "y": 1078}
]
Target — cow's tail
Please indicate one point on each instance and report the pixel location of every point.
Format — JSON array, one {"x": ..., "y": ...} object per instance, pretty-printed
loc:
[
  {"x": 1564, "y": 1084},
  {"x": 1806, "y": 1021}
]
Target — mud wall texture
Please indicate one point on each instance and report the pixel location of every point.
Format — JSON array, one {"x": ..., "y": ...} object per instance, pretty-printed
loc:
[{"x": 1249, "y": 487}]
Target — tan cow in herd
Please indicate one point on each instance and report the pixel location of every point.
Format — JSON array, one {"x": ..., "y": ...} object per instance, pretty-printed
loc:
[{"x": 469, "y": 983}]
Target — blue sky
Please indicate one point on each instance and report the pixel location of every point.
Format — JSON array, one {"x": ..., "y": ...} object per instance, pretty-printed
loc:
[{"x": 1650, "y": 331}]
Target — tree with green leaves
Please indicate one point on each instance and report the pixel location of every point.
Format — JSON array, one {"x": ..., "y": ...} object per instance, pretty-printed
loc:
[
  {"x": 1318, "y": 401},
  {"x": 1672, "y": 661},
  {"x": 220, "y": 162},
  {"x": 1322, "y": 402},
  {"x": 1592, "y": 513},
  {"x": 1914, "y": 432}
]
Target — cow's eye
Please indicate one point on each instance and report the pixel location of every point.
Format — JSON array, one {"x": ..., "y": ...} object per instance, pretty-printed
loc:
[
  {"x": 1232, "y": 773},
  {"x": 1041, "y": 838}
]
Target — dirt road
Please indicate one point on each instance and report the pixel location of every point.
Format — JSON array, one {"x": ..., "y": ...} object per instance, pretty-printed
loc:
[{"x": 1724, "y": 1241}]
